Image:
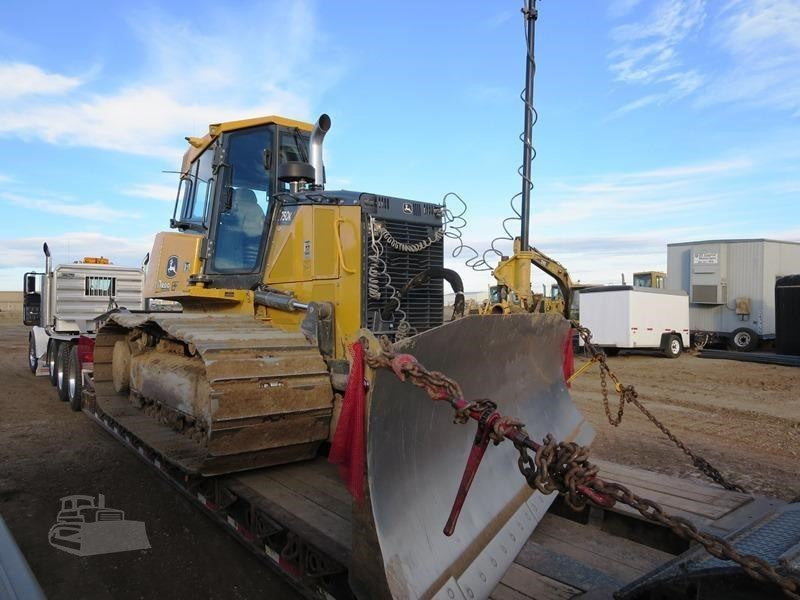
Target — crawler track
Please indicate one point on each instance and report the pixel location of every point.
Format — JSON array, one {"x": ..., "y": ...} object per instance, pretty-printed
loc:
[{"x": 236, "y": 394}]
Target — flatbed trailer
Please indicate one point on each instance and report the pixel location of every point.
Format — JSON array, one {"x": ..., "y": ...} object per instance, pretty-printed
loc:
[{"x": 297, "y": 518}]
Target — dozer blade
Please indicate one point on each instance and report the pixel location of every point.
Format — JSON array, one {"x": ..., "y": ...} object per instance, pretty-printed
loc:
[{"x": 416, "y": 456}]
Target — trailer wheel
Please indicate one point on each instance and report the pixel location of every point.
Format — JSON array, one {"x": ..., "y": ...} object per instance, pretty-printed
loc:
[
  {"x": 62, "y": 362},
  {"x": 611, "y": 351},
  {"x": 673, "y": 347},
  {"x": 700, "y": 340},
  {"x": 52, "y": 356},
  {"x": 743, "y": 340},
  {"x": 74, "y": 380},
  {"x": 33, "y": 360}
]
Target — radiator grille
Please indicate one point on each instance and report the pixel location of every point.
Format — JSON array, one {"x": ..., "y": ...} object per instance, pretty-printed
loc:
[{"x": 423, "y": 305}]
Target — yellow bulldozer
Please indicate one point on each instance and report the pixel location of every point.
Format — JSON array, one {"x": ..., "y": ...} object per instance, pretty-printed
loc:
[
  {"x": 306, "y": 315},
  {"x": 278, "y": 277}
]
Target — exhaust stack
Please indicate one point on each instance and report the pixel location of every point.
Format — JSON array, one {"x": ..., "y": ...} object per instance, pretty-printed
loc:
[
  {"x": 321, "y": 127},
  {"x": 48, "y": 262}
]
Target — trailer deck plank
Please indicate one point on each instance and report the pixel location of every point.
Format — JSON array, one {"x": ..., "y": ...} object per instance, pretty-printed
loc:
[
  {"x": 584, "y": 557},
  {"x": 701, "y": 503},
  {"x": 530, "y": 584},
  {"x": 311, "y": 509},
  {"x": 703, "y": 491},
  {"x": 503, "y": 592},
  {"x": 311, "y": 488},
  {"x": 619, "y": 557}
]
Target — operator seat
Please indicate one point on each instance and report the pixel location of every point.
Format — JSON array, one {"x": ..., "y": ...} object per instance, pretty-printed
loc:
[
  {"x": 251, "y": 220},
  {"x": 240, "y": 229}
]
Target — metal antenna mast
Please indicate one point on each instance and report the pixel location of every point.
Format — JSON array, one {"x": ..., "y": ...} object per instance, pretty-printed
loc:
[{"x": 530, "y": 14}]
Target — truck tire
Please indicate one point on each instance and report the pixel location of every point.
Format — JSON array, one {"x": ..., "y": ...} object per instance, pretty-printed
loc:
[
  {"x": 52, "y": 356},
  {"x": 673, "y": 347},
  {"x": 62, "y": 362},
  {"x": 611, "y": 351},
  {"x": 743, "y": 340},
  {"x": 74, "y": 383},
  {"x": 33, "y": 360}
]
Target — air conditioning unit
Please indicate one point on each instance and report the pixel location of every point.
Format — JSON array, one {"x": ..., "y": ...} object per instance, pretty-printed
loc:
[{"x": 709, "y": 274}]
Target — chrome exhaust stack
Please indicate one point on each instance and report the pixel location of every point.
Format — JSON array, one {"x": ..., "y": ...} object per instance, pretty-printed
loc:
[{"x": 321, "y": 127}]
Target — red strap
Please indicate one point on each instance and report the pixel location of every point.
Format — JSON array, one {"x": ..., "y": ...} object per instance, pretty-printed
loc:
[
  {"x": 569, "y": 358},
  {"x": 347, "y": 447}
]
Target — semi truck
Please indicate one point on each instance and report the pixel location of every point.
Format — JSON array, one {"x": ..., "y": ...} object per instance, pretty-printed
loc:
[{"x": 60, "y": 306}]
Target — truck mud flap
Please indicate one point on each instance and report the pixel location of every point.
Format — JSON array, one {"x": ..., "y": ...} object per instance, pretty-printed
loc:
[{"x": 416, "y": 456}]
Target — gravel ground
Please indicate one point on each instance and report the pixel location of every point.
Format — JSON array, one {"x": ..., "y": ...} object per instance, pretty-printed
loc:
[{"x": 743, "y": 417}]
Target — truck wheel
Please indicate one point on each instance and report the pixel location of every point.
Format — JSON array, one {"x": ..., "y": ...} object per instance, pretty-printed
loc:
[
  {"x": 673, "y": 347},
  {"x": 74, "y": 384},
  {"x": 743, "y": 340},
  {"x": 611, "y": 351},
  {"x": 52, "y": 355},
  {"x": 33, "y": 360},
  {"x": 62, "y": 362}
]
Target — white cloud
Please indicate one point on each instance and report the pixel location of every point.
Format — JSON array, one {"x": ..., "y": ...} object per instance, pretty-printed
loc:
[
  {"x": 602, "y": 225},
  {"x": 154, "y": 191},
  {"x": 20, "y": 254},
  {"x": 5, "y": 178},
  {"x": 189, "y": 80},
  {"x": 18, "y": 80},
  {"x": 762, "y": 42},
  {"x": 648, "y": 50},
  {"x": 750, "y": 54},
  {"x": 90, "y": 211},
  {"x": 647, "y": 53},
  {"x": 620, "y": 8}
]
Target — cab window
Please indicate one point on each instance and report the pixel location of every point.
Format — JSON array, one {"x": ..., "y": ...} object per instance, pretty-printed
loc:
[
  {"x": 193, "y": 199},
  {"x": 293, "y": 147},
  {"x": 242, "y": 214},
  {"x": 202, "y": 186}
]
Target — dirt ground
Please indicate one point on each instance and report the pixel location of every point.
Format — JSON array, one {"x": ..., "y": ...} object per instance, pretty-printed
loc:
[
  {"x": 743, "y": 417},
  {"x": 48, "y": 452}
]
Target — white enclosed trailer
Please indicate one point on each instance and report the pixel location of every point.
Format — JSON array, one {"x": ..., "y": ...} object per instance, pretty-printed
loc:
[
  {"x": 731, "y": 286},
  {"x": 61, "y": 304},
  {"x": 624, "y": 316}
]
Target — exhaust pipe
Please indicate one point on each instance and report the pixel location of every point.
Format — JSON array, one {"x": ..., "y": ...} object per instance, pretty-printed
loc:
[
  {"x": 321, "y": 127},
  {"x": 48, "y": 262}
]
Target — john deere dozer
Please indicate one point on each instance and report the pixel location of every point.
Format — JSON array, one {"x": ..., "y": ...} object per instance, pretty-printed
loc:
[
  {"x": 278, "y": 277},
  {"x": 283, "y": 283}
]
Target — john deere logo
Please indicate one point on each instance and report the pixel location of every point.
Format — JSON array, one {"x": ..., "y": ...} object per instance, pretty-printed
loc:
[
  {"x": 172, "y": 266},
  {"x": 407, "y": 208}
]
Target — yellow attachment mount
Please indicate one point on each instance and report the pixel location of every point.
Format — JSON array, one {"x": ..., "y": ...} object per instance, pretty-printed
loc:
[{"x": 515, "y": 274}]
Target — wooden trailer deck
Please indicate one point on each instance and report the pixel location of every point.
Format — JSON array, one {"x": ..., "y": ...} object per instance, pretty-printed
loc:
[{"x": 563, "y": 557}]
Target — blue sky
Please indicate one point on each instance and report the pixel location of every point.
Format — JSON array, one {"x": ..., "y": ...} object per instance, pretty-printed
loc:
[{"x": 659, "y": 121}]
